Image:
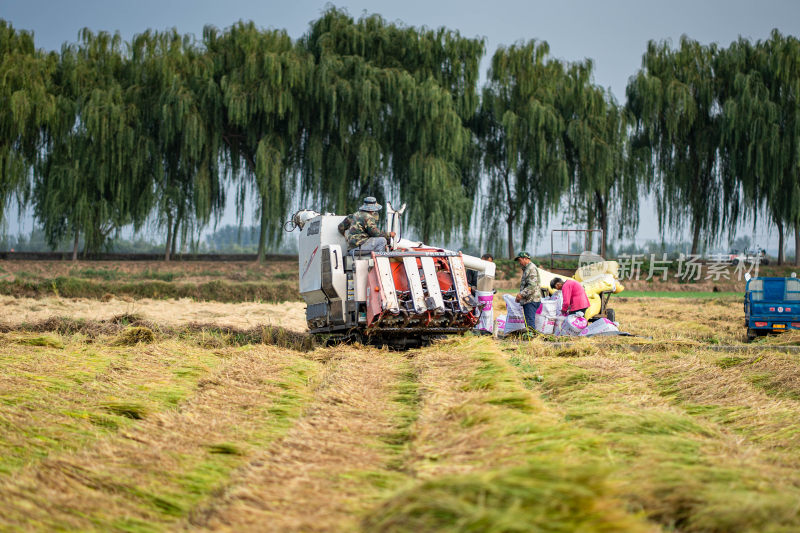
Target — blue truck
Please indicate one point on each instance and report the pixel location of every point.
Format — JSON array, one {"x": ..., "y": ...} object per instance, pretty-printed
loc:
[{"x": 771, "y": 305}]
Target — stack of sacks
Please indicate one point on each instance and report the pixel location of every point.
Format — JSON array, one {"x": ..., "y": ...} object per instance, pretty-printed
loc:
[
  {"x": 547, "y": 313},
  {"x": 595, "y": 278}
]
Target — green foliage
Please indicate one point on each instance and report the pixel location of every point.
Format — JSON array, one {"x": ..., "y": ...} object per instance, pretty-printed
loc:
[
  {"x": 386, "y": 115},
  {"x": 261, "y": 78},
  {"x": 761, "y": 125},
  {"x": 174, "y": 87},
  {"x": 603, "y": 184},
  {"x": 521, "y": 130},
  {"x": 92, "y": 177},
  {"x": 674, "y": 100},
  {"x": 107, "y": 134},
  {"x": 26, "y": 106}
]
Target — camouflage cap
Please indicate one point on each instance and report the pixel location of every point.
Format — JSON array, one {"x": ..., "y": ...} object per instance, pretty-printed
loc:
[
  {"x": 522, "y": 254},
  {"x": 370, "y": 204}
]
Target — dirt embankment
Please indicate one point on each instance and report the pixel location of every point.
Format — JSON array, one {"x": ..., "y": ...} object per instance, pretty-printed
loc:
[
  {"x": 185, "y": 271},
  {"x": 288, "y": 315}
]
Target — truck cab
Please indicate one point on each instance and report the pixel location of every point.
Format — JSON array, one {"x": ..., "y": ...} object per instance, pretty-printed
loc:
[{"x": 771, "y": 305}]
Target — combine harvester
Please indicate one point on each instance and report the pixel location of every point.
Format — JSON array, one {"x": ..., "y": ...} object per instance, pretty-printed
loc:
[{"x": 400, "y": 298}]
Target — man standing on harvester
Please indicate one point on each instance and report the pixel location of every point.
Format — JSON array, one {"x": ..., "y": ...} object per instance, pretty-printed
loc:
[
  {"x": 361, "y": 228},
  {"x": 530, "y": 293},
  {"x": 573, "y": 296}
]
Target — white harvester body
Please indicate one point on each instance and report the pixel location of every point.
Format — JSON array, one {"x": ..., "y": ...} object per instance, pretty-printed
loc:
[{"x": 402, "y": 296}]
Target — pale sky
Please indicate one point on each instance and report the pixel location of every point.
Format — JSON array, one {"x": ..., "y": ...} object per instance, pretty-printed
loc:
[{"x": 613, "y": 33}]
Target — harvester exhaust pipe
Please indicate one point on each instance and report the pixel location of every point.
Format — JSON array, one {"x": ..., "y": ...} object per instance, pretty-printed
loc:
[{"x": 393, "y": 222}]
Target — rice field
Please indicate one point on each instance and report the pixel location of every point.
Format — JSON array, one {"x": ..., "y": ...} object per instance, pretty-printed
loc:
[{"x": 161, "y": 414}]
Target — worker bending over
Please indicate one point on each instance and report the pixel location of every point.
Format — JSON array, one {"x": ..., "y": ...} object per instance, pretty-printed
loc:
[
  {"x": 361, "y": 228},
  {"x": 573, "y": 296},
  {"x": 530, "y": 293}
]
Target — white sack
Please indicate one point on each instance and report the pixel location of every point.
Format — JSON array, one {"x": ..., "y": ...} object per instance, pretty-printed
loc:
[
  {"x": 573, "y": 325},
  {"x": 545, "y": 324},
  {"x": 550, "y": 307},
  {"x": 486, "y": 318},
  {"x": 601, "y": 325},
  {"x": 515, "y": 318}
]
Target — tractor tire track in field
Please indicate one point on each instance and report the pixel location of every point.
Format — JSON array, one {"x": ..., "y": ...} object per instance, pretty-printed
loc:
[
  {"x": 150, "y": 474},
  {"x": 449, "y": 435},
  {"x": 486, "y": 454},
  {"x": 337, "y": 460}
]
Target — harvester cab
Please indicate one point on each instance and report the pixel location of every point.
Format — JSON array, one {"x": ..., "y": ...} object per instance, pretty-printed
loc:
[{"x": 402, "y": 297}]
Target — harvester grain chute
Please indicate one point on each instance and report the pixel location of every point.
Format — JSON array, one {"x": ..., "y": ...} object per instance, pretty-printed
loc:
[{"x": 402, "y": 297}]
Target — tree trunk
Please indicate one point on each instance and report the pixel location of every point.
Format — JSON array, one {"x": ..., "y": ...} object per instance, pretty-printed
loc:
[
  {"x": 511, "y": 215},
  {"x": 262, "y": 234},
  {"x": 589, "y": 241},
  {"x": 75, "y": 247},
  {"x": 168, "y": 247},
  {"x": 175, "y": 233},
  {"x": 796, "y": 243},
  {"x": 696, "y": 237},
  {"x": 602, "y": 216},
  {"x": 781, "y": 257},
  {"x": 510, "y": 223}
]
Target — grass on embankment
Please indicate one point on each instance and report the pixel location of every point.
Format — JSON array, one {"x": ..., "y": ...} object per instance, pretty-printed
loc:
[
  {"x": 129, "y": 329},
  {"x": 678, "y": 294},
  {"x": 185, "y": 271},
  {"x": 221, "y": 291}
]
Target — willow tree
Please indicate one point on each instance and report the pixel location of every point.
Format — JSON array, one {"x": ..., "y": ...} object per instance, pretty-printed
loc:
[
  {"x": 262, "y": 78},
  {"x": 93, "y": 176},
  {"x": 603, "y": 186},
  {"x": 174, "y": 89},
  {"x": 761, "y": 128},
  {"x": 27, "y": 105},
  {"x": 674, "y": 101},
  {"x": 521, "y": 134},
  {"x": 387, "y": 114},
  {"x": 783, "y": 188}
]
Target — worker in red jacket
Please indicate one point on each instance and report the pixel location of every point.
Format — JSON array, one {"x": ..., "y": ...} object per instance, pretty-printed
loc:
[{"x": 573, "y": 296}]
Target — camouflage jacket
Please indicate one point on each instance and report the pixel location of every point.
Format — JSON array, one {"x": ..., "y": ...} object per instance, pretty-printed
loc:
[
  {"x": 345, "y": 224},
  {"x": 363, "y": 225},
  {"x": 529, "y": 287}
]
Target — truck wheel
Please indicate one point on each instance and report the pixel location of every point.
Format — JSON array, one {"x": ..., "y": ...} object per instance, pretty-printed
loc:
[
  {"x": 751, "y": 334},
  {"x": 735, "y": 262},
  {"x": 610, "y": 315}
]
